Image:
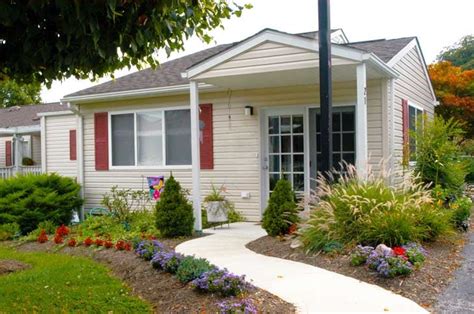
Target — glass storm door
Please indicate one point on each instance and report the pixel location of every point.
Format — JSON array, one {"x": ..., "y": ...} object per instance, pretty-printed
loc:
[
  {"x": 285, "y": 147},
  {"x": 343, "y": 138}
]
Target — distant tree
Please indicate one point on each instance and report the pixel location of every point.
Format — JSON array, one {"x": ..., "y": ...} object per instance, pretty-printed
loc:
[
  {"x": 14, "y": 94},
  {"x": 45, "y": 40},
  {"x": 460, "y": 54},
  {"x": 454, "y": 88}
]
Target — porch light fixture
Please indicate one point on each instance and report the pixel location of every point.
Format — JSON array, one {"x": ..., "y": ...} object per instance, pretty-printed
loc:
[{"x": 248, "y": 111}]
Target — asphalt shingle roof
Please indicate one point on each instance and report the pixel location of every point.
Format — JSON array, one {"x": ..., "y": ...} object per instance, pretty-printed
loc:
[
  {"x": 26, "y": 115},
  {"x": 169, "y": 73}
]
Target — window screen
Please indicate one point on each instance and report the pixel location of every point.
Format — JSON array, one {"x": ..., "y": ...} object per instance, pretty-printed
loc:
[{"x": 123, "y": 140}]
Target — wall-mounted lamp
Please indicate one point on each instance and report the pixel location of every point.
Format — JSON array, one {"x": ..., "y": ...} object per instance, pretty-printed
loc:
[{"x": 248, "y": 110}]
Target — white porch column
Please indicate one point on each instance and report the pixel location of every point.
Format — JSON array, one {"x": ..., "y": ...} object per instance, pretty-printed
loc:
[
  {"x": 18, "y": 156},
  {"x": 195, "y": 153},
  {"x": 43, "y": 144},
  {"x": 361, "y": 121},
  {"x": 80, "y": 158}
]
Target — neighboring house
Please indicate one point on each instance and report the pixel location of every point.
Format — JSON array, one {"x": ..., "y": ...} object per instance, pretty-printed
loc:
[
  {"x": 244, "y": 115},
  {"x": 20, "y": 137}
]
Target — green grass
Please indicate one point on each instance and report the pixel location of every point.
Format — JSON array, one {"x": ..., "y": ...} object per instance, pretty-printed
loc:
[{"x": 63, "y": 284}]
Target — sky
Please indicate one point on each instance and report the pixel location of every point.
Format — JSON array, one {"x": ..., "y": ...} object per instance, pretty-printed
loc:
[{"x": 436, "y": 23}]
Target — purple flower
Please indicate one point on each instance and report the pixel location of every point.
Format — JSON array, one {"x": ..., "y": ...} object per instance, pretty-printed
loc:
[
  {"x": 231, "y": 306},
  {"x": 146, "y": 249},
  {"x": 167, "y": 260},
  {"x": 221, "y": 281}
]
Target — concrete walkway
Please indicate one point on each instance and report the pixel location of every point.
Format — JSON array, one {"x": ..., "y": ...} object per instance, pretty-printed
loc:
[
  {"x": 310, "y": 289},
  {"x": 459, "y": 296}
]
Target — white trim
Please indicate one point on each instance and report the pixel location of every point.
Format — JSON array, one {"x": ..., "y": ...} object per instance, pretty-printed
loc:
[
  {"x": 135, "y": 93},
  {"x": 195, "y": 152},
  {"x": 80, "y": 156},
  {"x": 414, "y": 105},
  {"x": 55, "y": 113},
  {"x": 278, "y": 37},
  {"x": 377, "y": 62},
  {"x": 392, "y": 129},
  {"x": 361, "y": 121},
  {"x": 164, "y": 166},
  {"x": 417, "y": 107},
  {"x": 21, "y": 130},
  {"x": 402, "y": 53},
  {"x": 43, "y": 144}
]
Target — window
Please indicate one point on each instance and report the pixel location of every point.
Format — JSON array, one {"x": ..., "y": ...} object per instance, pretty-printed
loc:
[
  {"x": 415, "y": 118},
  {"x": 151, "y": 138}
]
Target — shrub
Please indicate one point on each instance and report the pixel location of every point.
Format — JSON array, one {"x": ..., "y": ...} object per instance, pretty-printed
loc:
[
  {"x": 369, "y": 212},
  {"x": 191, "y": 268},
  {"x": 174, "y": 214},
  {"x": 121, "y": 202},
  {"x": 43, "y": 237},
  {"x": 72, "y": 242},
  {"x": 281, "y": 211},
  {"x": 31, "y": 199},
  {"x": 167, "y": 261},
  {"x": 146, "y": 249},
  {"x": 438, "y": 154},
  {"x": 222, "y": 282},
  {"x": 9, "y": 231},
  {"x": 461, "y": 211},
  {"x": 88, "y": 241}
]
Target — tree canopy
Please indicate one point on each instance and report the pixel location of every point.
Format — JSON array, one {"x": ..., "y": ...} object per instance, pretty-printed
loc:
[
  {"x": 14, "y": 94},
  {"x": 46, "y": 40},
  {"x": 460, "y": 54},
  {"x": 454, "y": 88}
]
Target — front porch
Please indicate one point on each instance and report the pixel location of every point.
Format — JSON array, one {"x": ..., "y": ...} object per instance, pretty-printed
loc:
[{"x": 289, "y": 133}]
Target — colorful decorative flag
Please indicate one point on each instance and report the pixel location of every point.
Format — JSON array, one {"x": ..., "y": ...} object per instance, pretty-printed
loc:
[{"x": 156, "y": 185}]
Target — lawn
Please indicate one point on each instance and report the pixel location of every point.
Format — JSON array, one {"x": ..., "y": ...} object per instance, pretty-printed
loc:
[{"x": 61, "y": 283}]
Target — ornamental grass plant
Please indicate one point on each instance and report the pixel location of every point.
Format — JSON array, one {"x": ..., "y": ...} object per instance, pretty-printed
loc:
[{"x": 354, "y": 210}]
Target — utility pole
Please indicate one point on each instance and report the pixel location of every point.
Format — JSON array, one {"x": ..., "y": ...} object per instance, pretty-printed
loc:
[{"x": 325, "y": 85}]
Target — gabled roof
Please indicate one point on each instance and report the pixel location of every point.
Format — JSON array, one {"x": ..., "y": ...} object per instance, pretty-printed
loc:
[
  {"x": 26, "y": 115},
  {"x": 385, "y": 49},
  {"x": 168, "y": 74}
]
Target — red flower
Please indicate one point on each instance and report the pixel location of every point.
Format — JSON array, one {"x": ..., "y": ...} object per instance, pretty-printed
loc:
[
  {"x": 108, "y": 244},
  {"x": 72, "y": 242},
  {"x": 58, "y": 239},
  {"x": 43, "y": 237},
  {"x": 99, "y": 242},
  {"x": 122, "y": 245},
  {"x": 292, "y": 228},
  {"x": 62, "y": 231},
  {"x": 127, "y": 247},
  {"x": 88, "y": 241},
  {"x": 399, "y": 251}
]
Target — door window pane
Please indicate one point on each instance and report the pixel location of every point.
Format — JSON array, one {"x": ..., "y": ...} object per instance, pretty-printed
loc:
[
  {"x": 150, "y": 138},
  {"x": 348, "y": 121},
  {"x": 297, "y": 124},
  {"x": 123, "y": 140},
  {"x": 274, "y": 177},
  {"x": 349, "y": 158},
  {"x": 298, "y": 146},
  {"x": 275, "y": 163},
  {"x": 298, "y": 182},
  {"x": 348, "y": 142},
  {"x": 286, "y": 144},
  {"x": 273, "y": 125},
  {"x": 178, "y": 137},
  {"x": 336, "y": 121},
  {"x": 285, "y": 125},
  {"x": 274, "y": 144},
  {"x": 336, "y": 142},
  {"x": 286, "y": 163},
  {"x": 298, "y": 163}
]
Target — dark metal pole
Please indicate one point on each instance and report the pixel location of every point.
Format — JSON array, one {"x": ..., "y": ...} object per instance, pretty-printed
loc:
[{"x": 325, "y": 85}]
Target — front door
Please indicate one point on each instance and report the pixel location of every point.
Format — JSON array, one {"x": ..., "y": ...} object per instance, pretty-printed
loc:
[{"x": 284, "y": 150}]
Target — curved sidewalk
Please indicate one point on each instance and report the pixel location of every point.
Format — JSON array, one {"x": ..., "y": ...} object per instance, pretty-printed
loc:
[{"x": 310, "y": 289}]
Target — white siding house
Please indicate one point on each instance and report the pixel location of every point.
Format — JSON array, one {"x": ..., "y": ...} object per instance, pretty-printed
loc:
[{"x": 240, "y": 115}]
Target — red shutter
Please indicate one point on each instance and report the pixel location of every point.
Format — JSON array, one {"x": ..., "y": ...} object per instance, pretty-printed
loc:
[
  {"x": 101, "y": 133},
  {"x": 8, "y": 153},
  {"x": 206, "y": 136},
  {"x": 405, "y": 121},
  {"x": 72, "y": 145}
]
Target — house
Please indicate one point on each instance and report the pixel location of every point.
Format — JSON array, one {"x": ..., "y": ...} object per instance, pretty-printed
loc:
[
  {"x": 245, "y": 114},
  {"x": 21, "y": 125}
]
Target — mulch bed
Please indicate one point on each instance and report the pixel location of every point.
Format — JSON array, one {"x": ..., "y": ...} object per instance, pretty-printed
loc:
[
  {"x": 10, "y": 265},
  {"x": 423, "y": 286},
  {"x": 162, "y": 290}
]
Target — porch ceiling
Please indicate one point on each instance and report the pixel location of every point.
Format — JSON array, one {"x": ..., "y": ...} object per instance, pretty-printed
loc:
[{"x": 293, "y": 77}]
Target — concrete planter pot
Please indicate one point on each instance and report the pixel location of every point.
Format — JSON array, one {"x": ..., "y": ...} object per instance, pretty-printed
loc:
[{"x": 217, "y": 212}]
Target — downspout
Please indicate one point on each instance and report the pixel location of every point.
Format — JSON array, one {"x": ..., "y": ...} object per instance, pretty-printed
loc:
[
  {"x": 76, "y": 109},
  {"x": 391, "y": 139}
]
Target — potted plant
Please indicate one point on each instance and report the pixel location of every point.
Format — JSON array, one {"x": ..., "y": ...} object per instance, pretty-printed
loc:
[{"x": 217, "y": 207}]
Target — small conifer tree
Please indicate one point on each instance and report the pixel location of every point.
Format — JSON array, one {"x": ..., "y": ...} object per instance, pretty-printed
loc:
[
  {"x": 281, "y": 211},
  {"x": 174, "y": 214}
]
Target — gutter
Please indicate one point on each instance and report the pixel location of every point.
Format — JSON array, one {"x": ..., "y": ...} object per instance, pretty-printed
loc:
[
  {"x": 135, "y": 93},
  {"x": 20, "y": 129}
]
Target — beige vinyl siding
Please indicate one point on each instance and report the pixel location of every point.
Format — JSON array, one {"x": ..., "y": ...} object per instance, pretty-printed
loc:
[
  {"x": 269, "y": 57},
  {"x": 237, "y": 160},
  {"x": 2, "y": 150},
  {"x": 36, "y": 149},
  {"x": 415, "y": 87},
  {"x": 57, "y": 145}
]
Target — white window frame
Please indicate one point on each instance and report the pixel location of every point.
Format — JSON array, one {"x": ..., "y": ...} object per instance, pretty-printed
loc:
[
  {"x": 134, "y": 112},
  {"x": 418, "y": 107}
]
